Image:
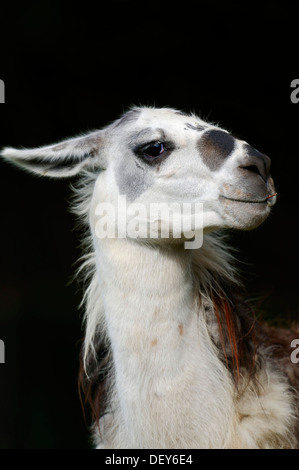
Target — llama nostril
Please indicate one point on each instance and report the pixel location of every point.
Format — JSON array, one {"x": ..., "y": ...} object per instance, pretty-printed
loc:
[
  {"x": 256, "y": 169},
  {"x": 252, "y": 169},
  {"x": 256, "y": 162}
]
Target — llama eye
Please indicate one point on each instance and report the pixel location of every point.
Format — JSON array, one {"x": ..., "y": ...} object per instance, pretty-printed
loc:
[{"x": 153, "y": 150}]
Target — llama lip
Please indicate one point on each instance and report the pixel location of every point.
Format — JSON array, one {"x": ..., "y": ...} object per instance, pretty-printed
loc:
[{"x": 269, "y": 200}]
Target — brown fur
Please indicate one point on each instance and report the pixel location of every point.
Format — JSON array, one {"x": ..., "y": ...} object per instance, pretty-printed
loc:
[{"x": 280, "y": 341}]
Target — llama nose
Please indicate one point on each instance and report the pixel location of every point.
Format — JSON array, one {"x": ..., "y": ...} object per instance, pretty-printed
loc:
[{"x": 256, "y": 162}]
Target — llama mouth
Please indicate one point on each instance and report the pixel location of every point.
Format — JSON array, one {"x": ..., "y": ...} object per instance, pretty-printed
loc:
[{"x": 269, "y": 200}]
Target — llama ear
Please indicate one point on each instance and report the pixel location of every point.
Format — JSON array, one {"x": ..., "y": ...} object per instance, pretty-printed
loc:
[{"x": 63, "y": 159}]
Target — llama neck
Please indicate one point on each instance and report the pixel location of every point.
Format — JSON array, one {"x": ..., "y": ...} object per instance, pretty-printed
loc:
[{"x": 169, "y": 385}]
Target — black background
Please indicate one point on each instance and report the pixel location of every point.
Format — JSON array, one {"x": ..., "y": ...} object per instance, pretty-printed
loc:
[{"x": 70, "y": 69}]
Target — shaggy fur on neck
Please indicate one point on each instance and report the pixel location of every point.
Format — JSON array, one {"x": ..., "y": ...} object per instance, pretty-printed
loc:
[{"x": 239, "y": 342}]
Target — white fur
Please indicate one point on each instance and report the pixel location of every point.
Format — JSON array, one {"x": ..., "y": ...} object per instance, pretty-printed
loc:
[
  {"x": 168, "y": 387},
  {"x": 170, "y": 390}
]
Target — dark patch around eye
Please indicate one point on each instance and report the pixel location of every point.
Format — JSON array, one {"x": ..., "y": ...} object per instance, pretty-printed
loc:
[
  {"x": 131, "y": 177},
  {"x": 214, "y": 147}
]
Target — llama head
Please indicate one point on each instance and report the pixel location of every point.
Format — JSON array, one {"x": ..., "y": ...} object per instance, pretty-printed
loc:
[{"x": 163, "y": 156}]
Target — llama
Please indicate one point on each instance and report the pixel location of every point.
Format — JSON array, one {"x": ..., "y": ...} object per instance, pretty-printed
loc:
[{"x": 172, "y": 356}]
